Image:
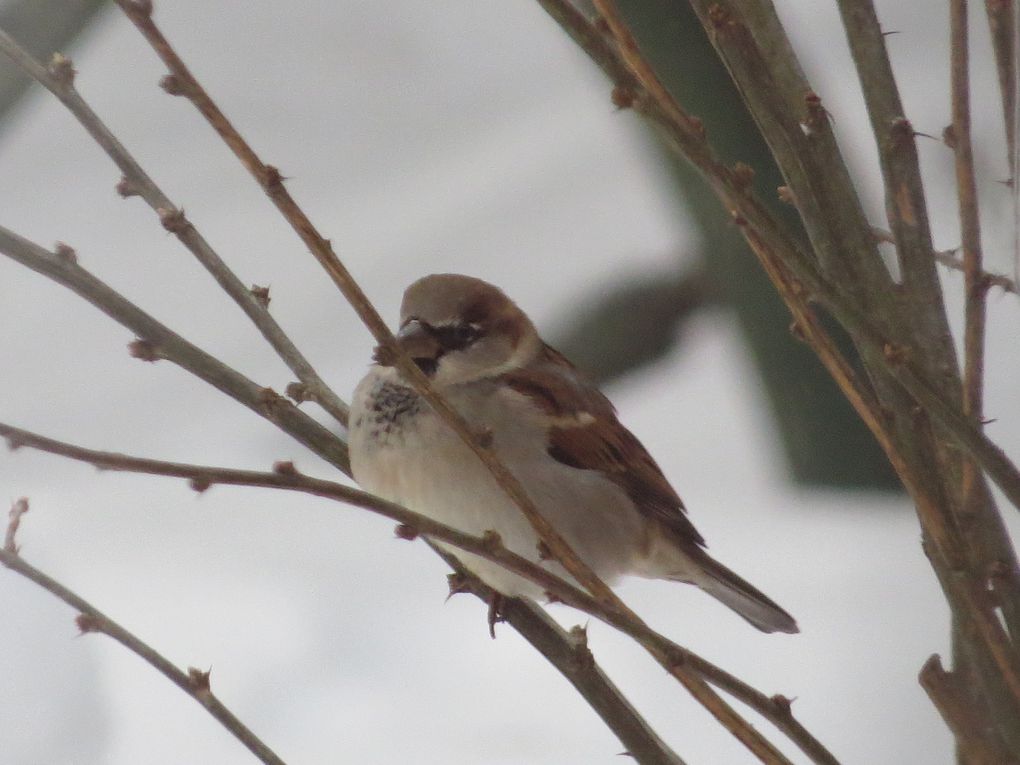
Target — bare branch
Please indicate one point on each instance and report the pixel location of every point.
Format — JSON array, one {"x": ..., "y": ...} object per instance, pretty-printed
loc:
[
  {"x": 570, "y": 654},
  {"x": 949, "y": 259},
  {"x": 58, "y": 79},
  {"x": 184, "y": 83},
  {"x": 970, "y": 226},
  {"x": 926, "y": 372},
  {"x": 202, "y": 477},
  {"x": 194, "y": 682},
  {"x": 172, "y": 347},
  {"x": 160, "y": 342},
  {"x": 906, "y": 207}
]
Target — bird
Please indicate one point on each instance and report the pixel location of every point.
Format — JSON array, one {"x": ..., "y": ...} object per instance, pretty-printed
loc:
[{"x": 586, "y": 473}]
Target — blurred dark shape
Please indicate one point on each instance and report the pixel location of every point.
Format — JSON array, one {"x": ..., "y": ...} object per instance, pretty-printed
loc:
[
  {"x": 629, "y": 325},
  {"x": 824, "y": 441},
  {"x": 42, "y": 27}
]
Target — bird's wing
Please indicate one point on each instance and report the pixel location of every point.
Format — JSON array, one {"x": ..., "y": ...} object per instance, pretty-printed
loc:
[{"x": 585, "y": 433}]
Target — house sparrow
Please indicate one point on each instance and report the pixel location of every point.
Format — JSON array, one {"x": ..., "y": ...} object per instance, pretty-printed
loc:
[{"x": 587, "y": 474}]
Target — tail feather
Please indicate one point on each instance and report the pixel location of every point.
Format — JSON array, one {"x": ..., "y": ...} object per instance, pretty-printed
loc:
[{"x": 741, "y": 596}]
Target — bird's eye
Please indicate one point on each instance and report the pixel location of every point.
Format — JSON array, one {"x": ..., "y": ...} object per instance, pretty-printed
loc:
[{"x": 455, "y": 337}]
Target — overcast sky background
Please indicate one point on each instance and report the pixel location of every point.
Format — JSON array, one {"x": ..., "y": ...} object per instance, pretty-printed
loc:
[{"x": 466, "y": 136}]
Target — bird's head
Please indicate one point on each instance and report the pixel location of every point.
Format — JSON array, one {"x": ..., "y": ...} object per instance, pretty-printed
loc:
[{"x": 459, "y": 329}]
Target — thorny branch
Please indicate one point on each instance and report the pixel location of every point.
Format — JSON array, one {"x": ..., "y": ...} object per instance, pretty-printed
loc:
[
  {"x": 901, "y": 330},
  {"x": 58, "y": 78},
  {"x": 158, "y": 342},
  {"x": 194, "y": 682},
  {"x": 286, "y": 477},
  {"x": 183, "y": 83}
]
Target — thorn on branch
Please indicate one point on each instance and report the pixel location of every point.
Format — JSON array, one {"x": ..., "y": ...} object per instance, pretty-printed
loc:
[
  {"x": 457, "y": 584},
  {"x": 86, "y": 623},
  {"x": 261, "y": 295},
  {"x": 492, "y": 541},
  {"x": 785, "y": 194},
  {"x": 174, "y": 85},
  {"x": 901, "y": 129},
  {"x": 270, "y": 400},
  {"x": 144, "y": 350},
  {"x": 18, "y": 508},
  {"x": 298, "y": 392},
  {"x": 405, "y": 532},
  {"x": 271, "y": 178},
  {"x": 198, "y": 681},
  {"x": 623, "y": 97},
  {"x": 495, "y": 614},
  {"x": 285, "y": 467},
  {"x": 544, "y": 553},
  {"x": 172, "y": 220},
  {"x": 949, "y": 137},
  {"x": 62, "y": 70},
  {"x": 578, "y": 638},
  {"x": 126, "y": 188},
  {"x": 782, "y": 704},
  {"x": 65, "y": 252}
]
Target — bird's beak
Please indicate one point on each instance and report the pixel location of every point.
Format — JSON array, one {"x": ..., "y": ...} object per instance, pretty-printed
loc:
[{"x": 418, "y": 341}]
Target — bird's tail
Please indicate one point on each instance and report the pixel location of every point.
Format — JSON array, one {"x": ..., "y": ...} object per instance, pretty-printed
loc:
[{"x": 741, "y": 596}]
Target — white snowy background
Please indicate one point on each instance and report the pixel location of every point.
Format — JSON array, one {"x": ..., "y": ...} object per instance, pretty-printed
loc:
[{"x": 464, "y": 136}]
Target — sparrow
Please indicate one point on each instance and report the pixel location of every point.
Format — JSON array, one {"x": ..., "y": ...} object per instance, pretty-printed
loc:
[{"x": 588, "y": 475}]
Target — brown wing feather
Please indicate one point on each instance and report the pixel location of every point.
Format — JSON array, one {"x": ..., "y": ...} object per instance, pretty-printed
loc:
[{"x": 599, "y": 441}]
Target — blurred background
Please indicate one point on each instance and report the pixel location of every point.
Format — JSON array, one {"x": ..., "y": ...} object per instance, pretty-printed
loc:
[{"x": 470, "y": 137}]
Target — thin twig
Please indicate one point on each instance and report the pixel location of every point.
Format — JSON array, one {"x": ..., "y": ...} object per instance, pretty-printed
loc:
[
  {"x": 58, "y": 78},
  {"x": 194, "y": 682},
  {"x": 1001, "y": 24},
  {"x": 751, "y": 216},
  {"x": 762, "y": 235},
  {"x": 950, "y": 260},
  {"x": 975, "y": 288},
  {"x": 159, "y": 342},
  {"x": 165, "y": 344},
  {"x": 172, "y": 347},
  {"x": 962, "y": 586},
  {"x": 285, "y": 477},
  {"x": 271, "y": 181},
  {"x": 570, "y": 654}
]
